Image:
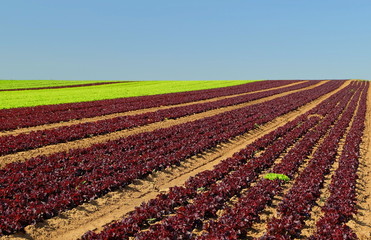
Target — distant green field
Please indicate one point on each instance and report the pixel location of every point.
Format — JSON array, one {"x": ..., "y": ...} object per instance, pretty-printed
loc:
[
  {"x": 16, "y": 84},
  {"x": 28, "y": 98}
]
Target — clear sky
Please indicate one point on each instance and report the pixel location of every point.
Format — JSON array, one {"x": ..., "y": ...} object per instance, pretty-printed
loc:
[{"x": 185, "y": 39}]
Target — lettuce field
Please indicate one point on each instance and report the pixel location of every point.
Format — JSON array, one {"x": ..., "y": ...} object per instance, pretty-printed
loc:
[{"x": 206, "y": 160}]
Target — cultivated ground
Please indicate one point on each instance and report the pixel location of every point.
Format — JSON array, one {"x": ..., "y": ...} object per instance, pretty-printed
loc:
[{"x": 95, "y": 214}]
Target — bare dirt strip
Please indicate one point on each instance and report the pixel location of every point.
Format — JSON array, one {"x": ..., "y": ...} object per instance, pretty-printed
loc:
[
  {"x": 129, "y": 113},
  {"x": 361, "y": 224},
  {"x": 86, "y": 142},
  {"x": 97, "y": 213}
]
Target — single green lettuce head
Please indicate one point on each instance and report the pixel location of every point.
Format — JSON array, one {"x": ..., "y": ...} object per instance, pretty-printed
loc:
[{"x": 274, "y": 176}]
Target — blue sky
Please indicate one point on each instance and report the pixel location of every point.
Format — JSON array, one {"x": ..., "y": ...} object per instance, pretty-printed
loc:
[{"x": 185, "y": 40}]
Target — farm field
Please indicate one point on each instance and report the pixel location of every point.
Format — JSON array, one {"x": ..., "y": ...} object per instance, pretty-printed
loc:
[
  {"x": 99, "y": 91},
  {"x": 188, "y": 165}
]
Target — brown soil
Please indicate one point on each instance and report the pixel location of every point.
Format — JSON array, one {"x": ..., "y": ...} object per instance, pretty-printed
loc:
[
  {"x": 84, "y": 143},
  {"x": 361, "y": 224},
  {"x": 97, "y": 213},
  {"x": 109, "y": 116}
]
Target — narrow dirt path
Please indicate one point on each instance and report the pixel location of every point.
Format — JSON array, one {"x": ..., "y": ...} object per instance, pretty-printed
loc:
[
  {"x": 109, "y": 116},
  {"x": 86, "y": 142},
  {"x": 361, "y": 224},
  {"x": 97, "y": 213}
]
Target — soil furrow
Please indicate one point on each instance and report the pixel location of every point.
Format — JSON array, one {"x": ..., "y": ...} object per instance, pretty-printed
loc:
[
  {"x": 89, "y": 216},
  {"x": 84, "y": 143},
  {"x": 140, "y": 111}
]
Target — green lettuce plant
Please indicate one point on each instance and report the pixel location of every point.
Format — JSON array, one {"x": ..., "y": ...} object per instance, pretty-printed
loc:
[{"x": 274, "y": 176}]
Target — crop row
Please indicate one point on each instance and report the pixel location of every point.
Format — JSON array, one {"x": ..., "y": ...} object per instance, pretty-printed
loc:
[
  {"x": 205, "y": 204},
  {"x": 15, "y": 143},
  {"x": 296, "y": 205},
  {"x": 341, "y": 205},
  {"x": 34, "y": 116},
  {"x": 42, "y": 187}
]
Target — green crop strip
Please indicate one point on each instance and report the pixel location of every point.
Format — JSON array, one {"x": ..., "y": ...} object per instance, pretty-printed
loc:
[
  {"x": 30, "y": 98},
  {"x": 17, "y": 84}
]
